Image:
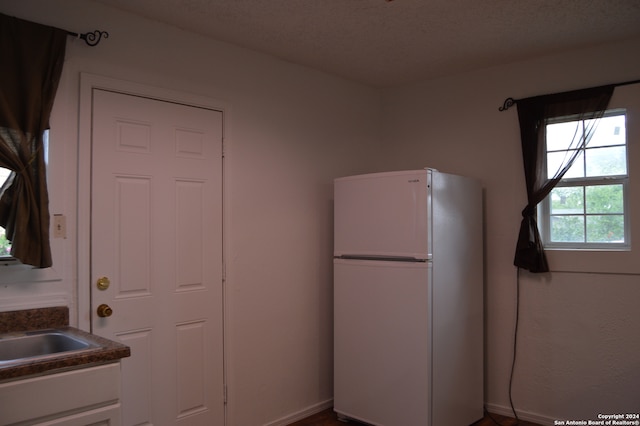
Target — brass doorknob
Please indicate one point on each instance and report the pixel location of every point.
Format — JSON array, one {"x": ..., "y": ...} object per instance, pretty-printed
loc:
[
  {"x": 104, "y": 311},
  {"x": 103, "y": 283}
]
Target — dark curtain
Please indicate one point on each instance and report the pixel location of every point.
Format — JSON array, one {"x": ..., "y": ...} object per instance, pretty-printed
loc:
[
  {"x": 31, "y": 59},
  {"x": 532, "y": 114}
]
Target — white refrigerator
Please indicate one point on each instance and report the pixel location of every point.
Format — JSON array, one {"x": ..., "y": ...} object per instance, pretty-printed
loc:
[{"x": 408, "y": 299}]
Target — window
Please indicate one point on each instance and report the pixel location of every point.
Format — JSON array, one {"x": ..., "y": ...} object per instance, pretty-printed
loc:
[
  {"x": 5, "y": 244},
  {"x": 588, "y": 209}
]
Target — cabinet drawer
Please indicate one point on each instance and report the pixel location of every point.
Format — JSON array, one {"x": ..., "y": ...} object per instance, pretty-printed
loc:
[
  {"x": 59, "y": 394},
  {"x": 103, "y": 416}
]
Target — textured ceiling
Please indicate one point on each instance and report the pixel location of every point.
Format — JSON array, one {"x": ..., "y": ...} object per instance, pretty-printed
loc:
[{"x": 386, "y": 43}]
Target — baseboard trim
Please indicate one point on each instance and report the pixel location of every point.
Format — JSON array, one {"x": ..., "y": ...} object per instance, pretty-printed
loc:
[
  {"x": 301, "y": 414},
  {"x": 522, "y": 415}
]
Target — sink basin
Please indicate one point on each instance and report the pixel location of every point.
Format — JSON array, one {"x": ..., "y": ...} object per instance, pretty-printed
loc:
[{"x": 43, "y": 343}]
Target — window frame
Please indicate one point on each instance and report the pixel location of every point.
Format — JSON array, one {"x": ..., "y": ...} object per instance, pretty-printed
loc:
[
  {"x": 544, "y": 208},
  {"x": 12, "y": 270}
]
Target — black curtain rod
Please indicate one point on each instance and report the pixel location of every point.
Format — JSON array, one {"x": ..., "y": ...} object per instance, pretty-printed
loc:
[
  {"x": 91, "y": 39},
  {"x": 509, "y": 102}
]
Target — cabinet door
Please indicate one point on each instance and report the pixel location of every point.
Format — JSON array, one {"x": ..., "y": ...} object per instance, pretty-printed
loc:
[{"x": 38, "y": 400}]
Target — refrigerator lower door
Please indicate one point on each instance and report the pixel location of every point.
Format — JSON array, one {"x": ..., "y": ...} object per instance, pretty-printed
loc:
[{"x": 381, "y": 342}]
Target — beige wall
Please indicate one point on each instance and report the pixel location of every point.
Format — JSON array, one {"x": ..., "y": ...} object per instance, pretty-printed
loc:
[
  {"x": 290, "y": 131},
  {"x": 579, "y": 335}
]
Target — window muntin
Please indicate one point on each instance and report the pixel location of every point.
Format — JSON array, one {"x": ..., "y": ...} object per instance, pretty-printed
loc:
[{"x": 588, "y": 207}]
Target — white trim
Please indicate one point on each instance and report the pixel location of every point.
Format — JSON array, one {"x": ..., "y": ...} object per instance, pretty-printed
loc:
[
  {"x": 14, "y": 272},
  {"x": 35, "y": 302},
  {"x": 301, "y": 414}
]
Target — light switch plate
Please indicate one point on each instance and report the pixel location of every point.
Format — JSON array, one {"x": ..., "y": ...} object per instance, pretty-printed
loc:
[{"x": 59, "y": 226}]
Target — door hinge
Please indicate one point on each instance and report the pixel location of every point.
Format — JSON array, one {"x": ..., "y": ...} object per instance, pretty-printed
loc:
[{"x": 224, "y": 393}]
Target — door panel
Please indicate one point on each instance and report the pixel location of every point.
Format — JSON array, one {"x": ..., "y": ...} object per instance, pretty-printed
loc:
[{"x": 156, "y": 234}]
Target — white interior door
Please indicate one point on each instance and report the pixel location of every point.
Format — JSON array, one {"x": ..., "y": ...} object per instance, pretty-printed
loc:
[{"x": 156, "y": 235}]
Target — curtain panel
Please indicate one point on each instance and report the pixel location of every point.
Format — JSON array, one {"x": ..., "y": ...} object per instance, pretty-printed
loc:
[
  {"x": 31, "y": 60},
  {"x": 533, "y": 114}
]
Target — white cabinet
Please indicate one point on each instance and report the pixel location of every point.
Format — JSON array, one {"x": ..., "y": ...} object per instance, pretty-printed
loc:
[{"x": 87, "y": 396}]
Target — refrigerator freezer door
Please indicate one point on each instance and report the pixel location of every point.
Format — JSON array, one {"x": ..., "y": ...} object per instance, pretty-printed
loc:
[
  {"x": 381, "y": 341},
  {"x": 382, "y": 215}
]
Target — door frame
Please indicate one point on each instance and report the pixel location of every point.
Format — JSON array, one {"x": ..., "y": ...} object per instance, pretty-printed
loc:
[{"x": 89, "y": 82}]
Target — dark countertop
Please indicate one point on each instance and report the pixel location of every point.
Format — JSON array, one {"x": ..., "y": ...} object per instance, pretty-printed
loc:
[{"x": 55, "y": 318}]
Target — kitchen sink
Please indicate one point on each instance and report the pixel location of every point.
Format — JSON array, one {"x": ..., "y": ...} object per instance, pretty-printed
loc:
[{"x": 39, "y": 344}]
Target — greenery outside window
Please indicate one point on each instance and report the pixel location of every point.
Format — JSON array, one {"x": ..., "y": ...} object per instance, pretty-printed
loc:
[{"x": 588, "y": 209}]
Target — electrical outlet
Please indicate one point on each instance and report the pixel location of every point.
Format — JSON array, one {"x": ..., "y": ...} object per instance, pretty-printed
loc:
[{"x": 59, "y": 226}]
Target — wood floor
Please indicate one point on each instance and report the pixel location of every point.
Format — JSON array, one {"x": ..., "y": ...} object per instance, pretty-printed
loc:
[{"x": 329, "y": 418}]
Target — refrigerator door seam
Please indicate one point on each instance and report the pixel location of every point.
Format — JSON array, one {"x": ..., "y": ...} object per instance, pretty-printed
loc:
[{"x": 381, "y": 258}]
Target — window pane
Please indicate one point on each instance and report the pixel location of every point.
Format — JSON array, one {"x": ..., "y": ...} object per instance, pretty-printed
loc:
[
  {"x": 589, "y": 205},
  {"x": 605, "y": 229},
  {"x": 555, "y": 160},
  {"x": 4, "y": 174},
  {"x": 607, "y": 161},
  {"x": 610, "y": 131},
  {"x": 567, "y": 200},
  {"x": 560, "y": 135},
  {"x": 567, "y": 229},
  {"x": 5, "y": 245},
  {"x": 604, "y": 199}
]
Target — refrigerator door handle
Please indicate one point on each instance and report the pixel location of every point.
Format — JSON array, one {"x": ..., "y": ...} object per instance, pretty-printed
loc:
[{"x": 381, "y": 258}]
